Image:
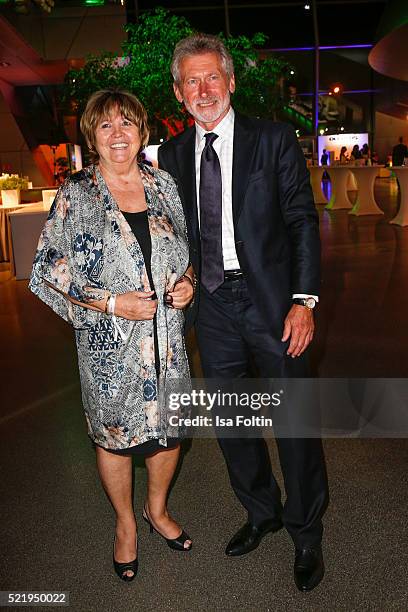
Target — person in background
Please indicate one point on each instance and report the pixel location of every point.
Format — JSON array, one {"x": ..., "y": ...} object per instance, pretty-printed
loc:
[
  {"x": 399, "y": 153},
  {"x": 366, "y": 154},
  {"x": 254, "y": 238},
  {"x": 355, "y": 153},
  {"x": 324, "y": 158},
  {"x": 113, "y": 250},
  {"x": 343, "y": 155}
]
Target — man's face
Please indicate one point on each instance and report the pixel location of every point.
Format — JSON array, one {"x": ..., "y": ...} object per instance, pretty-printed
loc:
[{"x": 204, "y": 88}]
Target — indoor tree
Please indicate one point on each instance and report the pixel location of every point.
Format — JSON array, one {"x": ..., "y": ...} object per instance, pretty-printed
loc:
[{"x": 144, "y": 69}]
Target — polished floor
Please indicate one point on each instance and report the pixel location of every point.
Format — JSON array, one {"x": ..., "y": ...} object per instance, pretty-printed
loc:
[
  {"x": 362, "y": 325},
  {"x": 57, "y": 526}
]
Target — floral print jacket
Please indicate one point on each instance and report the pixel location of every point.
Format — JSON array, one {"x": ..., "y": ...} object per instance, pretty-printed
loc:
[{"x": 86, "y": 248}]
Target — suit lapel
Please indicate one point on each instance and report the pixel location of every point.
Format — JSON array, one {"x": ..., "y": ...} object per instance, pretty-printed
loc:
[
  {"x": 185, "y": 158},
  {"x": 245, "y": 143}
]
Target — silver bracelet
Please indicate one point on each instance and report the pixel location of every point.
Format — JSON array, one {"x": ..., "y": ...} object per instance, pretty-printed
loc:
[
  {"x": 108, "y": 295},
  {"x": 110, "y": 306}
]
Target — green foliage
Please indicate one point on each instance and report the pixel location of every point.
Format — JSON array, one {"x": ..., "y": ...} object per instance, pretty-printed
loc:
[
  {"x": 144, "y": 69},
  {"x": 150, "y": 48},
  {"x": 12, "y": 181},
  {"x": 259, "y": 81},
  {"x": 99, "y": 72}
]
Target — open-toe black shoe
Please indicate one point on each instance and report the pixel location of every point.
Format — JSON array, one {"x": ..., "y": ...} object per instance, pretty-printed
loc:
[
  {"x": 176, "y": 543},
  {"x": 122, "y": 568}
]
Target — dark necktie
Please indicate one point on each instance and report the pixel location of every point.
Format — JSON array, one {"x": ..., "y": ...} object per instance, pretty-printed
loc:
[{"x": 212, "y": 264}]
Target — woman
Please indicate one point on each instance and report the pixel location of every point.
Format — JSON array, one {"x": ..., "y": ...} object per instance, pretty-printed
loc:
[
  {"x": 343, "y": 155},
  {"x": 113, "y": 261},
  {"x": 355, "y": 153},
  {"x": 366, "y": 154}
]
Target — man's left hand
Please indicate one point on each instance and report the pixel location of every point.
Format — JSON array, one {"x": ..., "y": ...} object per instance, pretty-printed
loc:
[{"x": 299, "y": 327}]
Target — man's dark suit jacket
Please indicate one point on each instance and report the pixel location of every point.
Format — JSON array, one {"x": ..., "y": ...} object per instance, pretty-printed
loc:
[{"x": 275, "y": 221}]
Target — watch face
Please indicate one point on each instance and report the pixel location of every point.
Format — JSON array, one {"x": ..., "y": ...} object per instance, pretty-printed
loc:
[{"x": 310, "y": 303}]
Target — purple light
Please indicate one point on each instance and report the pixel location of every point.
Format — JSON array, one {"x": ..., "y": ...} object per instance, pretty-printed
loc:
[
  {"x": 325, "y": 48},
  {"x": 291, "y": 49},
  {"x": 357, "y": 91}
]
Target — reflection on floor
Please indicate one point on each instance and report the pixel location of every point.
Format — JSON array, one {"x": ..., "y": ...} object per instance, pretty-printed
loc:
[
  {"x": 361, "y": 321},
  {"x": 57, "y": 525}
]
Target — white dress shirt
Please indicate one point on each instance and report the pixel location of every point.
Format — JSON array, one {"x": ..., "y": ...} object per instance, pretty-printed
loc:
[{"x": 224, "y": 147}]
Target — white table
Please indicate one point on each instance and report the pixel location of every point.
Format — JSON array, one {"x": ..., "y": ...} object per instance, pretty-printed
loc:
[
  {"x": 401, "y": 218},
  {"x": 339, "y": 177},
  {"x": 365, "y": 203},
  {"x": 351, "y": 183},
  {"x": 5, "y": 209},
  {"x": 25, "y": 228},
  {"x": 316, "y": 173}
]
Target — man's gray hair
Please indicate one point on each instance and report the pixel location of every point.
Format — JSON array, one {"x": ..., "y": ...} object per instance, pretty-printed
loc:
[{"x": 196, "y": 45}]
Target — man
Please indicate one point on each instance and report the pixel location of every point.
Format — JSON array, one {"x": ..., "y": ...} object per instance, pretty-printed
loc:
[
  {"x": 399, "y": 152},
  {"x": 255, "y": 247},
  {"x": 324, "y": 158}
]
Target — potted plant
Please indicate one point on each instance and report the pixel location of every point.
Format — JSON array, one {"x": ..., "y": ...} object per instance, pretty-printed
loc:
[{"x": 10, "y": 185}]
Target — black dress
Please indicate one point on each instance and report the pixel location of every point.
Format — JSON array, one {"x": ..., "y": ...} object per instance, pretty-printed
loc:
[{"x": 139, "y": 225}]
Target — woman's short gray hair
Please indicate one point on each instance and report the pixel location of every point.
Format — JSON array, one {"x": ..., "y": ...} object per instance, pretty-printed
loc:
[{"x": 196, "y": 45}]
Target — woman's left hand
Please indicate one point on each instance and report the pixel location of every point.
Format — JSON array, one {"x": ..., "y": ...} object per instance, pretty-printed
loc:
[{"x": 182, "y": 293}]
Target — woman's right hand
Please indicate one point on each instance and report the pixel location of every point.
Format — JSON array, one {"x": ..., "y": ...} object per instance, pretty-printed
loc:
[{"x": 136, "y": 305}]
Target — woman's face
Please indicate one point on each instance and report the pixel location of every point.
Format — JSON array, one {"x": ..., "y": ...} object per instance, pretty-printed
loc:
[{"x": 117, "y": 140}]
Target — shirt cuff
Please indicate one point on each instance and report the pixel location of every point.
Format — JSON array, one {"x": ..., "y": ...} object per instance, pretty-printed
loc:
[{"x": 305, "y": 295}]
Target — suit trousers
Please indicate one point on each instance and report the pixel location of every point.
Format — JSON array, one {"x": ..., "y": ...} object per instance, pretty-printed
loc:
[{"x": 231, "y": 335}]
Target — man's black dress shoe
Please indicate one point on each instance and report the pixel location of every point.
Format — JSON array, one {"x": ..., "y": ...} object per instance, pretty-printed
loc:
[
  {"x": 308, "y": 568},
  {"x": 249, "y": 537}
]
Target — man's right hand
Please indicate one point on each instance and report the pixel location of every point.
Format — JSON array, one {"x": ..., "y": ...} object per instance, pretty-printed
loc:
[
  {"x": 136, "y": 305},
  {"x": 299, "y": 327}
]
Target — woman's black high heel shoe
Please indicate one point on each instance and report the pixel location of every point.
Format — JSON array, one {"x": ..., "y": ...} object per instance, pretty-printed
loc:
[
  {"x": 122, "y": 568},
  {"x": 176, "y": 543}
]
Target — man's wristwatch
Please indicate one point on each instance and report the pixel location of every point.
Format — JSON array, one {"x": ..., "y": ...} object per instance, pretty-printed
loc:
[{"x": 308, "y": 302}]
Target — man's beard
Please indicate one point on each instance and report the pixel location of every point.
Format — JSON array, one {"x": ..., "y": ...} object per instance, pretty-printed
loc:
[{"x": 210, "y": 113}]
